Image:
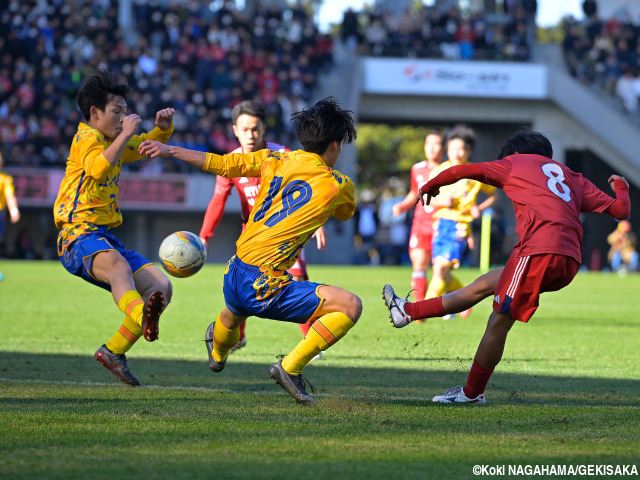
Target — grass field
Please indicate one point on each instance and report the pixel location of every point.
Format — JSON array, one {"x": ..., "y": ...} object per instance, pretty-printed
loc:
[{"x": 566, "y": 392}]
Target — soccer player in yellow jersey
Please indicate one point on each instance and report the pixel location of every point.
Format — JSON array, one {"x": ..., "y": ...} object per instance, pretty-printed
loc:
[
  {"x": 8, "y": 199},
  {"x": 87, "y": 208},
  {"x": 455, "y": 210},
  {"x": 299, "y": 191}
]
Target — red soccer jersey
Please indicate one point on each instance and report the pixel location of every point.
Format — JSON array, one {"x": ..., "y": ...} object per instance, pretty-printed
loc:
[
  {"x": 548, "y": 198},
  {"x": 423, "y": 214},
  {"x": 247, "y": 188}
]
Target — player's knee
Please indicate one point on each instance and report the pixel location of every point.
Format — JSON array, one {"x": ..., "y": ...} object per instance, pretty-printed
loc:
[{"x": 353, "y": 308}]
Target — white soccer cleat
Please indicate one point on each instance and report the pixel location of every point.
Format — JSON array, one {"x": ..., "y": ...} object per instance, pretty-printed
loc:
[
  {"x": 456, "y": 395},
  {"x": 395, "y": 304}
]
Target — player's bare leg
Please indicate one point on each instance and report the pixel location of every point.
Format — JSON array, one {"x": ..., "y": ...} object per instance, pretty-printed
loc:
[{"x": 491, "y": 346}]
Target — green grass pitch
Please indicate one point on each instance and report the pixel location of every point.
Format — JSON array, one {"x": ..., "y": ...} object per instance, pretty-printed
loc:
[{"x": 566, "y": 392}]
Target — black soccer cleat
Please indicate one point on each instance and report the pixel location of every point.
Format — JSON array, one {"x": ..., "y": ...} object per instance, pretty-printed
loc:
[
  {"x": 293, "y": 384},
  {"x": 117, "y": 363},
  {"x": 214, "y": 365}
]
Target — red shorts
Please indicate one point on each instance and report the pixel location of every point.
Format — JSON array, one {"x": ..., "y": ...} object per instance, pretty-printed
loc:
[
  {"x": 299, "y": 269},
  {"x": 525, "y": 278},
  {"x": 420, "y": 238}
]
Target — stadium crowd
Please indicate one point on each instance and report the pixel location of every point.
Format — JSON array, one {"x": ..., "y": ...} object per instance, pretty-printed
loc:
[
  {"x": 200, "y": 60},
  {"x": 605, "y": 53},
  {"x": 452, "y": 33}
]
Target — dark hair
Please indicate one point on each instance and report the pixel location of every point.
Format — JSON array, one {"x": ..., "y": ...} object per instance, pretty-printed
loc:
[
  {"x": 98, "y": 90},
  {"x": 322, "y": 124},
  {"x": 437, "y": 132},
  {"x": 525, "y": 141},
  {"x": 464, "y": 133},
  {"x": 249, "y": 107}
]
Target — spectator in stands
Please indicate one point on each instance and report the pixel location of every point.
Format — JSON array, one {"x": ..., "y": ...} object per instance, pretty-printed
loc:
[
  {"x": 350, "y": 30},
  {"x": 623, "y": 255},
  {"x": 626, "y": 90},
  {"x": 590, "y": 8}
]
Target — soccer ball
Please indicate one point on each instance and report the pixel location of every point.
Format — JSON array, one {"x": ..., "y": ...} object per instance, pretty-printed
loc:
[{"x": 182, "y": 254}]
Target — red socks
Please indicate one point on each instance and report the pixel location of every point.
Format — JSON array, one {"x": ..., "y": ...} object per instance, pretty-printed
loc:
[
  {"x": 477, "y": 380},
  {"x": 432, "y": 307}
]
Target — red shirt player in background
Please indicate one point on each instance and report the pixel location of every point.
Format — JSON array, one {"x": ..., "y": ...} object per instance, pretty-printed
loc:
[
  {"x": 249, "y": 126},
  {"x": 548, "y": 198},
  {"x": 422, "y": 227}
]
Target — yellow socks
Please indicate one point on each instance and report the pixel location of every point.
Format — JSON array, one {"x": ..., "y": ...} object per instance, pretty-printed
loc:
[
  {"x": 436, "y": 288},
  {"x": 453, "y": 285},
  {"x": 125, "y": 337},
  {"x": 323, "y": 333},
  {"x": 132, "y": 306},
  {"x": 223, "y": 340}
]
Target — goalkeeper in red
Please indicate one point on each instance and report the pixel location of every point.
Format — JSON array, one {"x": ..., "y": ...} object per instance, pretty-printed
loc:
[
  {"x": 298, "y": 193},
  {"x": 548, "y": 198}
]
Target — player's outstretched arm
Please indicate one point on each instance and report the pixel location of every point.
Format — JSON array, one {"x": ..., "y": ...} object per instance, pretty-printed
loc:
[
  {"x": 154, "y": 149},
  {"x": 447, "y": 177}
]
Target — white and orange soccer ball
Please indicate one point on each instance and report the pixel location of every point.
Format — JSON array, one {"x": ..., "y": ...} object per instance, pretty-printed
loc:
[{"x": 182, "y": 254}]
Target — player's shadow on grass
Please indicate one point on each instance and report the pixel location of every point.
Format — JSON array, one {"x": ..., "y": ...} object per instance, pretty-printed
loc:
[{"x": 385, "y": 385}]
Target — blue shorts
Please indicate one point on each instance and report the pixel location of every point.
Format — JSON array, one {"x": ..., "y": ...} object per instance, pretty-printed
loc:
[
  {"x": 78, "y": 257},
  {"x": 450, "y": 240},
  {"x": 248, "y": 292}
]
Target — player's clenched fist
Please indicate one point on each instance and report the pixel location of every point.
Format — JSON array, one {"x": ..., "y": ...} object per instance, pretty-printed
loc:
[
  {"x": 164, "y": 118},
  {"x": 130, "y": 124}
]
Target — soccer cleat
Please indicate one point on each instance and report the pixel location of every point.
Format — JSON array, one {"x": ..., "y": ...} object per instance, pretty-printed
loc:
[
  {"x": 456, "y": 395},
  {"x": 241, "y": 343},
  {"x": 395, "y": 304},
  {"x": 465, "y": 313},
  {"x": 449, "y": 316},
  {"x": 293, "y": 384},
  {"x": 317, "y": 357},
  {"x": 214, "y": 365},
  {"x": 117, "y": 363},
  {"x": 151, "y": 316}
]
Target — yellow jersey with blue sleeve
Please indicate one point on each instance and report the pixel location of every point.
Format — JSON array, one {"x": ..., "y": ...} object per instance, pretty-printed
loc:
[
  {"x": 88, "y": 194},
  {"x": 464, "y": 194},
  {"x": 6, "y": 189},
  {"x": 298, "y": 193}
]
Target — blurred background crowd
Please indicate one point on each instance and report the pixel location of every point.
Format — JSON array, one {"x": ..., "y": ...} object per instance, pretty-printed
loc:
[{"x": 202, "y": 58}]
